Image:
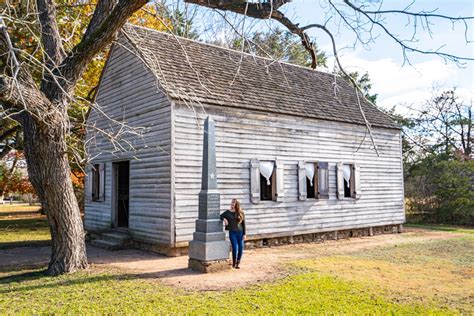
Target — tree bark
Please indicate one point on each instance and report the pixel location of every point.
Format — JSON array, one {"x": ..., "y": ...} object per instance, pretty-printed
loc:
[
  {"x": 49, "y": 172},
  {"x": 45, "y": 120}
]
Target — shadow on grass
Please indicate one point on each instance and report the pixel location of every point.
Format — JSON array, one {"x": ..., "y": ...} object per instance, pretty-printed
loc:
[
  {"x": 15, "y": 268},
  {"x": 24, "y": 243},
  {"x": 20, "y": 214},
  {"x": 20, "y": 232},
  {"x": 78, "y": 278},
  {"x": 30, "y": 222},
  {"x": 51, "y": 282},
  {"x": 21, "y": 277}
]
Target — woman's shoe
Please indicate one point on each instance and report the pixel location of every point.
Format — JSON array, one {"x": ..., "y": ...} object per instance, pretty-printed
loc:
[{"x": 237, "y": 264}]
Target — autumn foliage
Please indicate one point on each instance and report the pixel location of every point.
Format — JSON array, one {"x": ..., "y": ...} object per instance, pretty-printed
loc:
[{"x": 12, "y": 181}]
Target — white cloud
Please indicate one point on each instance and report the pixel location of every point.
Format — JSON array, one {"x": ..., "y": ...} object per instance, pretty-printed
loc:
[
  {"x": 465, "y": 94},
  {"x": 408, "y": 85}
]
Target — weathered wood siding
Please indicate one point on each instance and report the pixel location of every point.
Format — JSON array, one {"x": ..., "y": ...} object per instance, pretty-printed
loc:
[
  {"x": 242, "y": 135},
  {"x": 129, "y": 93}
]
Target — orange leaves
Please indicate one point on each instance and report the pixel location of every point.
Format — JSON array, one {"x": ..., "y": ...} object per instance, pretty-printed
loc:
[
  {"x": 14, "y": 183},
  {"x": 152, "y": 17},
  {"x": 77, "y": 179}
]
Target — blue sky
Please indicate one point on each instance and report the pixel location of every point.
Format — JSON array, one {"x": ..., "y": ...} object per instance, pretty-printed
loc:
[
  {"x": 406, "y": 86},
  {"x": 383, "y": 59}
]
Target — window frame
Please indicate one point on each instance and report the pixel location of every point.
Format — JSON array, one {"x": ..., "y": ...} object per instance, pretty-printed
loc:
[
  {"x": 273, "y": 183},
  {"x": 95, "y": 183},
  {"x": 319, "y": 195},
  {"x": 316, "y": 177},
  {"x": 315, "y": 181},
  {"x": 352, "y": 193}
]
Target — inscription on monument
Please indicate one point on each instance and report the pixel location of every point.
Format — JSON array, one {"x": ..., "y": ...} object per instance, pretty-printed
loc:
[{"x": 209, "y": 205}]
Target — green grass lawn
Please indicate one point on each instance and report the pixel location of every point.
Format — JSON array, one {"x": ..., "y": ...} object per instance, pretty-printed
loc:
[
  {"x": 22, "y": 226},
  {"x": 15, "y": 210},
  {"x": 29, "y": 292},
  {"x": 446, "y": 228},
  {"x": 423, "y": 278},
  {"x": 435, "y": 273}
]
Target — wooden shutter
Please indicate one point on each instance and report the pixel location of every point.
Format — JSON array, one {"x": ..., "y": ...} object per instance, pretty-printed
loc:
[
  {"x": 323, "y": 192},
  {"x": 254, "y": 181},
  {"x": 356, "y": 181},
  {"x": 101, "y": 182},
  {"x": 279, "y": 172},
  {"x": 340, "y": 181},
  {"x": 302, "y": 190},
  {"x": 88, "y": 185}
]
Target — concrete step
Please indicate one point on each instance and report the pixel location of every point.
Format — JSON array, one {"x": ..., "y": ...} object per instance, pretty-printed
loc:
[
  {"x": 120, "y": 229},
  {"x": 115, "y": 236},
  {"x": 106, "y": 244}
]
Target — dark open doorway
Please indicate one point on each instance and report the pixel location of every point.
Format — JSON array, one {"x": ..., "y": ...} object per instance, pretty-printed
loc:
[{"x": 122, "y": 171}]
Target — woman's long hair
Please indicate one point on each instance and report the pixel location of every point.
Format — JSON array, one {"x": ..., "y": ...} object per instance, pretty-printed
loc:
[{"x": 239, "y": 214}]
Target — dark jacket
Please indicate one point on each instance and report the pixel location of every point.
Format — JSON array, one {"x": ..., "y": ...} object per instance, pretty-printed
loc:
[{"x": 234, "y": 225}]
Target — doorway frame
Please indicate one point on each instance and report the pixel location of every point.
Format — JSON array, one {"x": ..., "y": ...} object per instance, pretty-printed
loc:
[{"x": 114, "y": 195}]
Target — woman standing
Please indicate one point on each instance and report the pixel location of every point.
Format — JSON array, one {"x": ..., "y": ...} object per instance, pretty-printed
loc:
[{"x": 234, "y": 221}]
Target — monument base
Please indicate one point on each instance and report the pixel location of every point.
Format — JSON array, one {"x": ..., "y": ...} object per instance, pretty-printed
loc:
[
  {"x": 209, "y": 266},
  {"x": 209, "y": 250}
]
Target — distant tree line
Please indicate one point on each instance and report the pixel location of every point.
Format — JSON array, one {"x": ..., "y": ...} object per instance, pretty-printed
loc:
[{"x": 438, "y": 161}]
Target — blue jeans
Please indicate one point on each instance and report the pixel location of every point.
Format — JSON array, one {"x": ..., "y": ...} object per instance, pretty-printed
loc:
[{"x": 237, "y": 241}]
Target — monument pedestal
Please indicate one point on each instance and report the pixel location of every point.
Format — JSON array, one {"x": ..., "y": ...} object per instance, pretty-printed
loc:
[
  {"x": 209, "y": 251},
  {"x": 209, "y": 256},
  {"x": 208, "y": 266}
]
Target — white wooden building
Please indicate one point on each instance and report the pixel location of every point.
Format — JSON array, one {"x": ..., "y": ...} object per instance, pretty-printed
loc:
[{"x": 292, "y": 145}]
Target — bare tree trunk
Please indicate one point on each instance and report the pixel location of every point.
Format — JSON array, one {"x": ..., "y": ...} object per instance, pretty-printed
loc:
[
  {"x": 49, "y": 172},
  {"x": 45, "y": 119}
]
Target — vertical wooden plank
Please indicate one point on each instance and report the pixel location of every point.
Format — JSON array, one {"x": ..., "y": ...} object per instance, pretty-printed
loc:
[
  {"x": 323, "y": 180},
  {"x": 254, "y": 181},
  {"x": 402, "y": 173},
  {"x": 88, "y": 185},
  {"x": 340, "y": 180},
  {"x": 101, "y": 182},
  {"x": 95, "y": 183},
  {"x": 173, "y": 174},
  {"x": 114, "y": 195},
  {"x": 302, "y": 189},
  {"x": 356, "y": 181},
  {"x": 279, "y": 172}
]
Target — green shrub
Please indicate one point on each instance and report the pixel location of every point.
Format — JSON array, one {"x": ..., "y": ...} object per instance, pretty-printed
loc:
[{"x": 441, "y": 191}]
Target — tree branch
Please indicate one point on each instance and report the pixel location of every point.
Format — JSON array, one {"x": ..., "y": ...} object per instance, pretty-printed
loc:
[
  {"x": 262, "y": 10},
  {"x": 18, "y": 89},
  {"x": 21, "y": 94},
  {"x": 402, "y": 43},
  {"x": 50, "y": 36},
  {"x": 73, "y": 66},
  {"x": 258, "y": 10},
  {"x": 102, "y": 10},
  {"x": 423, "y": 14}
]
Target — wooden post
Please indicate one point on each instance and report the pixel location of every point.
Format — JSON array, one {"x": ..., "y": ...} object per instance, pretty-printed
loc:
[{"x": 400, "y": 228}]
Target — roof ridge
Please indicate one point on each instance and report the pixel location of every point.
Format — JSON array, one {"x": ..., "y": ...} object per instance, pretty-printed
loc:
[
  {"x": 297, "y": 90},
  {"x": 233, "y": 50}
]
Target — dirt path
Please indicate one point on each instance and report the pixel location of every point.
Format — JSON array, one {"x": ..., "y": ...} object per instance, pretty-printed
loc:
[{"x": 258, "y": 265}]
